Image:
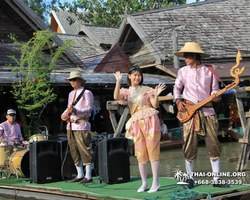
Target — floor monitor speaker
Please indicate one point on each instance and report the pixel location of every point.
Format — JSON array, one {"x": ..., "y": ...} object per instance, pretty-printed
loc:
[
  {"x": 45, "y": 162},
  {"x": 113, "y": 160}
]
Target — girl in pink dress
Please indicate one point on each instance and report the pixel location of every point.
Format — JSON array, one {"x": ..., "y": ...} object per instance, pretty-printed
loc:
[{"x": 144, "y": 125}]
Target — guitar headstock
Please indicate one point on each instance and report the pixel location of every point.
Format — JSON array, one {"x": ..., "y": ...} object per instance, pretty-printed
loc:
[
  {"x": 235, "y": 71},
  {"x": 233, "y": 85}
]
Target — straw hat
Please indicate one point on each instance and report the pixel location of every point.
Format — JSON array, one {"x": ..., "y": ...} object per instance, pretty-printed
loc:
[
  {"x": 191, "y": 47},
  {"x": 75, "y": 75}
]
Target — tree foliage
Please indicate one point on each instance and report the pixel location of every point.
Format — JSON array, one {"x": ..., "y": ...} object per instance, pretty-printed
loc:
[
  {"x": 110, "y": 12},
  {"x": 33, "y": 90},
  {"x": 42, "y": 7},
  {"x": 100, "y": 12}
]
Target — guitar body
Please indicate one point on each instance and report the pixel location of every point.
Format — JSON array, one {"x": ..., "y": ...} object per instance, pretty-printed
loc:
[{"x": 187, "y": 114}]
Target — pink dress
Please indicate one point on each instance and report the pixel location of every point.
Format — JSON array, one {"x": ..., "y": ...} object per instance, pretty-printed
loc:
[
  {"x": 142, "y": 110},
  {"x": 144, "y": 125}
]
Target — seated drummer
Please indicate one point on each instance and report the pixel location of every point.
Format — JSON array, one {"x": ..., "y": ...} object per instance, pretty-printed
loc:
[{"x": 10, "y": 132}]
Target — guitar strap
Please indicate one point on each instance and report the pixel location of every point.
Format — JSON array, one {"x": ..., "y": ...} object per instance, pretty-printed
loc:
[
  {"x": 211, "y": 69},
  {"x": 78, "y": 98}
]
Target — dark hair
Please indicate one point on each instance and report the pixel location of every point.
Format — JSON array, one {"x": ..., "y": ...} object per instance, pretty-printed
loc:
[
  {"x": 196, "y": 56},
  {"x": 135, "y": 69}
]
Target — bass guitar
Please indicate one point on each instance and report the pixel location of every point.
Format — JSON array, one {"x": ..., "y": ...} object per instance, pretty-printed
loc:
[{"x": 191, "y": 109}]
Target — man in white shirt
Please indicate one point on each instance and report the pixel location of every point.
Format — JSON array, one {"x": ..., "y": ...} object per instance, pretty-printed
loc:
[{"x": 10, "y": 132}]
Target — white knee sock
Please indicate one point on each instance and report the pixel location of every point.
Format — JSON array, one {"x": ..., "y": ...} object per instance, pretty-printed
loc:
[
  {"x": 155, "y": 165},
  {"x": 143, "y": 174},
  {"x": 189, "y": 168},
  {"x": 79, "y": 168},
  {"x": 88, "y": 172},
  {"x": 215, "y": 167}
]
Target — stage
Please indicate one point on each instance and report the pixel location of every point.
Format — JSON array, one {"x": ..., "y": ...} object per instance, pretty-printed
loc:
[{"x": 124, "y": 191}]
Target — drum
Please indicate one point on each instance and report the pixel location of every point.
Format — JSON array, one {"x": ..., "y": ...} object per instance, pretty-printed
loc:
[
  {"x": 5, "y": 152},
  {"x": 37, "y": 137},
  {"x": 19, "y": 163},
  {"x": 19, "y": 147}
]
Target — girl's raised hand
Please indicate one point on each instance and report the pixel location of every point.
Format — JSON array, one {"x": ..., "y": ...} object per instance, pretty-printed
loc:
[
  {"x": 159, "y": 88},
  {"x": 118, "y": 76}
]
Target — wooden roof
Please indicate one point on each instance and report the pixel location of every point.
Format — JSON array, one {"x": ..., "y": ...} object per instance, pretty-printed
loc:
[
  {"x": 95, "y": 78},
  {"x": 17, "y": 17},
  {"x": 17, "y": 14},
  {"x": 222, "y": 27},
  {"x": 100, "y": 34},
  {"x": 69, "y": 23},
  {"x": 85, "y": 49}
]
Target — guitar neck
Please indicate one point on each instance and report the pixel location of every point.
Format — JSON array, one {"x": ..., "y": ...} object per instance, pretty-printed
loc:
[{"x": 204, "y": 102}]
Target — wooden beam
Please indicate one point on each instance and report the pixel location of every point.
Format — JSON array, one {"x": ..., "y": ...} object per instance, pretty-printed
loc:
[
  {"x": 244, "y": 140},
  {"x": 247, "y": 88},
  {"x": 113, "y": 119},
  {"x": 126, "y": 37},
  {"x": 247, "y": 114},
  {"x": 121, "y": 122},
  {"x": 168, "y": 71},
  {"x": 166, "y": 98},
  {"x": 147, "y": 65}
]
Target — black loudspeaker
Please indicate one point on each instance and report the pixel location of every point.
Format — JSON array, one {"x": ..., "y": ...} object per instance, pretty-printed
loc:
[
  {"x": 95, "y": 171},
  {"x": 113, "y": 160},
  {"x": 68, "y": 169},
  {"x": 45, "y": 162}
]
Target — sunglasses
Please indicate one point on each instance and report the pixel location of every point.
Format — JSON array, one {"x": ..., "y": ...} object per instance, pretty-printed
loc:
[{"x": 73, "y": 79}]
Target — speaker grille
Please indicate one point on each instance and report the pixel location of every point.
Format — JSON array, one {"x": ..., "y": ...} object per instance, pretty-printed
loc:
[
  {"x": 45, "y": 162},
  {"x": 114, "y": 160}
]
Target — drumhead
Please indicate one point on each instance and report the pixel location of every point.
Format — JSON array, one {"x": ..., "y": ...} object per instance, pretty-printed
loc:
[
  {"x": 37, "y": 137},
  {"x": 20, "y": 163}
]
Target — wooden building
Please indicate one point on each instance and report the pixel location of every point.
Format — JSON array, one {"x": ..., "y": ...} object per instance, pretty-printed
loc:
[
  {"x": 220, "y": 26},
  {"x": 89, "y": 48}
]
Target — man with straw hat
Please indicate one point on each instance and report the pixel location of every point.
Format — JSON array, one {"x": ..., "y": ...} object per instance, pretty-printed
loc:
[
  {"x": 199, "y": 83},
  {"x": 80, "y": 104}
]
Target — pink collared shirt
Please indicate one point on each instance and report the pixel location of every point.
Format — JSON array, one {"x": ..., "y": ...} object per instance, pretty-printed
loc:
[
  {"x": 83, "y": 109},
  {"x": 11, "y": 132},
  {"x": 198, "y": 85}
]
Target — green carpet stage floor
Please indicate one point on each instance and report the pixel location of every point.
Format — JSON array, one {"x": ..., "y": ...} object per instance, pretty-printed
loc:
[{"x": 169, "y": 189}]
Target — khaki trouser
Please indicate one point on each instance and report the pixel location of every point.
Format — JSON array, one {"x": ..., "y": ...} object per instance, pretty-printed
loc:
[
  {"x": 190, "y": 138},
  {"x": 80, "y": 144}
]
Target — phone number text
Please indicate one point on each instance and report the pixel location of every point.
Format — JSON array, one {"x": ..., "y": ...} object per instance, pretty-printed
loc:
[{"x": 218, "y": 182}]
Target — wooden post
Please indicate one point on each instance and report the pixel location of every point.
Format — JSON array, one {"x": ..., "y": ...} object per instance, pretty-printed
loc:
[
  {"x": 245, "y": 124},
  {"x": 113, "y": 119},
  {"x": 121, "y": 122},
  {"x": 112, "y": 107},
  {"x": 245, "y": 150},
  {"x": 175, "y": 48}
]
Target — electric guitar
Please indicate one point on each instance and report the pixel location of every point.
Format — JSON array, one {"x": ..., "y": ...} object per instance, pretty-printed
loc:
[{"x": 191, "y": 109}]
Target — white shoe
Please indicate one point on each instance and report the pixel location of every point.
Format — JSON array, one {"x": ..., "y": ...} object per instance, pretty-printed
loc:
[
  {"x": 155, "y": 190},
  {"x": 142, "y": 189}
]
